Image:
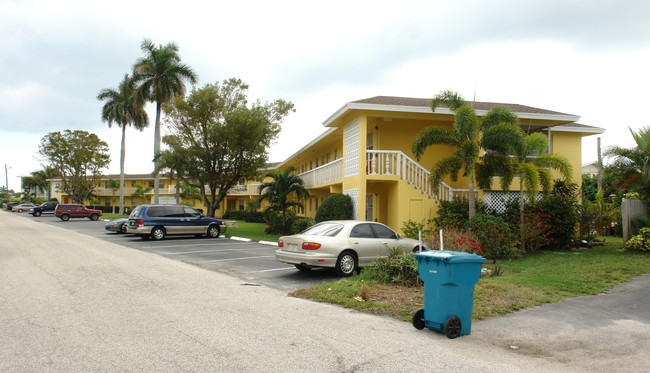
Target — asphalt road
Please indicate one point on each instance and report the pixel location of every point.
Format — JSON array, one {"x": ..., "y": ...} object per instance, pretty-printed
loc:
[
  {"x": 250, "y": 261},
  {"x": 72, "y": 302}
]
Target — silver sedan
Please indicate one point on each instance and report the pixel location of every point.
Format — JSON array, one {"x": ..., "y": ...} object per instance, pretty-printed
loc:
[{"x": 343, "y": 245}]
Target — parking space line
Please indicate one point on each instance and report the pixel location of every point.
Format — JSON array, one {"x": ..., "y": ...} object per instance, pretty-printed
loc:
[
  {"x": 274, "y": 269},
  {"x": 168, "y": 246},
  {"x": 198, "y": 252},
  {"x": 242, "y": 258}
]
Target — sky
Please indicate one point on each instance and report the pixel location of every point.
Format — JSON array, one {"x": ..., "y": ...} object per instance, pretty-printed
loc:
[{"x": 587, "y": 58}]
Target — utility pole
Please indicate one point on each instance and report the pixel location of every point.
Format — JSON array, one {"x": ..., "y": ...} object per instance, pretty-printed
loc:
[
  {"x": 6, "y": 181},
  {"x": 600, "y": 168}
]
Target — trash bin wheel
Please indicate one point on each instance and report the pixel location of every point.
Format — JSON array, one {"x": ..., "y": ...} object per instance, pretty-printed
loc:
[
  {"x": 452, "y": 327},
  {"x": 418, "y": 319}
]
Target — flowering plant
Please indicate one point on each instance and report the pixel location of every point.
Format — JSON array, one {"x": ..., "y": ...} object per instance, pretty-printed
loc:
[{"x": 455, "y": 239}]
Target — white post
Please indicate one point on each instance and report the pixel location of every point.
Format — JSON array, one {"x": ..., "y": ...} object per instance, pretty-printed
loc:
[
  {"x": 419, "y": 241},
  {"x": 441, "y": 243}
]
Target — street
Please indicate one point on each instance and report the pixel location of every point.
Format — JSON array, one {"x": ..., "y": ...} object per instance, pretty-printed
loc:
[{"x": 72, "y": 302}]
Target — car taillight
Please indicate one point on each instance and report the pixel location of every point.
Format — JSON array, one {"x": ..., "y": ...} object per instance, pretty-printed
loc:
[
  {"x": 140, "y": 223},
  {"x": 280, "y": 243},
  {"x": 310, "y": 245}
]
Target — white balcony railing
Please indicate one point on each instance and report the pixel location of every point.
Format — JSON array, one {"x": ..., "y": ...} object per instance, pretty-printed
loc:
[
  {"x": 326, "y": 173},
  {"x": 245, "y": 189},
  {"x": 389, "y": 162}
]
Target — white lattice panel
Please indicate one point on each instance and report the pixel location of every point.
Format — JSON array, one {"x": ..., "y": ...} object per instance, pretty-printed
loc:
[
  {"x": 497, "y": 201},
  {"x": 354, "y": 194},
  {"x": 351, "y": 151}
]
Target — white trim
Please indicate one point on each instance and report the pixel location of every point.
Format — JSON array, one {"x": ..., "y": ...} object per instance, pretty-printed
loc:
[
  {"x": 427, "y": 110},
  {"x": 568, "y": 128}
]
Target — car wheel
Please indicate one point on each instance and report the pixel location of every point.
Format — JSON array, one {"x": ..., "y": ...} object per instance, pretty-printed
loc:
[
  {"x": 65, "y": 217},
  {"x": 417, "y": 249},
  {"x": 37, "y": 213},
  {"x": 213, "y": 231},
  {"x": 303, "y": 267},
  {"x": 453, "y": 327},
  {"x": 20, "y": 210},
  {"x": 418, "y": 319},
  {"x": 157, "y": 233},
  {"x": 94, "y": 217},
  {"x": 346, "y": 264}
]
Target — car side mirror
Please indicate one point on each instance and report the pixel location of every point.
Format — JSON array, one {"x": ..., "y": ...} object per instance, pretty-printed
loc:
[{"x": 399, "y": 236}]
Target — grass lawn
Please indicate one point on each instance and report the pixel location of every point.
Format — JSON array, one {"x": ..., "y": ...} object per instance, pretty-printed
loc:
[
  {"x": 109, "y": 216},
  {"x": 254, "y": 231},
  {"x": 536, "y": 279}
]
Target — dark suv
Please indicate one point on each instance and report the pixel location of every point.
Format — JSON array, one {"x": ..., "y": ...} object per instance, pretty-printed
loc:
[
  {"x": 158, "y": 221},
  {"x": 67, "y": 211},
  {"x": 45, "y": 208}
]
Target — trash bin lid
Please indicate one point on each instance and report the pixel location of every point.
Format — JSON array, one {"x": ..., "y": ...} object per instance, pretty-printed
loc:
[{"x": 450, "y": 256}]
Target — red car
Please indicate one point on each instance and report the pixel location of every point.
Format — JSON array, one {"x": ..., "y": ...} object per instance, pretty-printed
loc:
[{"x": 67, "y": 211}]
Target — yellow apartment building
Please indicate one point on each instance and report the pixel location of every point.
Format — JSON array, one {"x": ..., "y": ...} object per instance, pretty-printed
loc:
[{"x": 365, "y": 152}]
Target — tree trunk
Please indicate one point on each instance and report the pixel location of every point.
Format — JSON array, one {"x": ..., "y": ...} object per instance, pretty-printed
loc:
[
  {"x": 471, "y": 197},
  {"x": 156, "y": 151},
  {"x": 522, "y": 230},
  {"x": 600, "y": 168},
  {"x": 178, "y": 191},
  {"x": 122, "y": 156}
]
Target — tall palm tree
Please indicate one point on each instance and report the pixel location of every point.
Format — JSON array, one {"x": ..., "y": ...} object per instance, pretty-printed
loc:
[
  {"x": 162, "y": 76},
  {"x": 278, "y": 191},
  {"x": 124, "y": 106},
  {"x": 529, "y": 161},
  {"x": 632, "y": 166},
  {"x": 469, "y": 133}
]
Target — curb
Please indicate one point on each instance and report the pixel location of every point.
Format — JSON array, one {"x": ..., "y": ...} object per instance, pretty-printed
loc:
[
  {"x": 241, "y": 239},
  {"x": 270, "y": 243}
]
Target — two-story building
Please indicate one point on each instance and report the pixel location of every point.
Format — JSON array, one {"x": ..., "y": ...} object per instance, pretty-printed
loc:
[{"x": 365, "y": 152}]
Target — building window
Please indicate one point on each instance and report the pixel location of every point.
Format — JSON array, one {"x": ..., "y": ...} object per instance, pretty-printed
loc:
[
  {"x": 133, "y": 184},
  {"x": 107, "y": 202},
  {"x": 327, "y": 158},
  {"x": 133, "y": 201},
  {"x": 311, "y": 208}
]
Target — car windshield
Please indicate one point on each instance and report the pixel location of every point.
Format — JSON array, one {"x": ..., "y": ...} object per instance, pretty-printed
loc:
[{"x": 324, "y": 229}]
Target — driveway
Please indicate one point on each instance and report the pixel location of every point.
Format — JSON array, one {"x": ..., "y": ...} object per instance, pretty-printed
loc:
[{"x": 72, "y": 302}]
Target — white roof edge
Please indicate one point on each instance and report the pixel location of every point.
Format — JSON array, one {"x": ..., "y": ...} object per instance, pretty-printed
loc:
[
  {"x": 420, "y": 109},
  {"x": 569, "y": 128},
  {"x": 312, "y": 142}
]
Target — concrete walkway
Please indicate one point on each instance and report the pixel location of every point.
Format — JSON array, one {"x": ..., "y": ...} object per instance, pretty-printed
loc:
[{"x": 69, "y": 302}]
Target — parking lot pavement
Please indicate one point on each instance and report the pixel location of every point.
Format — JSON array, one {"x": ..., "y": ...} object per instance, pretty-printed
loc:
[{"x": 252, "y": 262}]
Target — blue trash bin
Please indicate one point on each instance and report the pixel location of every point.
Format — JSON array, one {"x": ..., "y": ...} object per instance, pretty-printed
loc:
[{"x": 449, "y": 278}]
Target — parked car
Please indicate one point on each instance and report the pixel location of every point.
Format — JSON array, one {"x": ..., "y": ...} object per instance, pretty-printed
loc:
[
  {"x": 344, "y": 245},
  {"x": 158, "y": 221},
  {"x": 67, "y": 211},
  {"x": 45, "y": 208},
  {"x": 117, "y": 225},
  {"x": 23, "y": 206},
  {"x": 9, "y": 205}
]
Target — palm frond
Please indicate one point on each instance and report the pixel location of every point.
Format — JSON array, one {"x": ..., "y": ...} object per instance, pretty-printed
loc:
[
  {"x": 450, "y": 99},
  {"x": 432, "y": 136}
]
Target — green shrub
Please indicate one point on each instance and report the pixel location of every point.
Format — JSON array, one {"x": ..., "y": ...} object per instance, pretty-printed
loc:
[
  {"x": 335, "y": 207},
  {"x": 396, "y": 268},
  {"x": 274, "y": 220},
  {"x": 640, "y": 242},
  {"x": 494, "y": 236},
  {"x": 455, "y": 213},
  {"x": 412, "y": 228},
  {"x": 564, "y": 217},
  {"x": 300, "y": 224}
]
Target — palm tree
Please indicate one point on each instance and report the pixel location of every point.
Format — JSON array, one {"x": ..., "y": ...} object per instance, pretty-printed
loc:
[
  {"x": 469, "y": 133},
  {"x": 141, "y": 193},
  {"x": 42, "y": 177},
  {"x": 530, "y": 161},
  {"x": 124, "y": 106},
  {"x": 114, "y": 185},
  {"x": 632, "y": 166},
  {"x": 162, "y": 76},
  {"x": 277, "y": 192}
]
